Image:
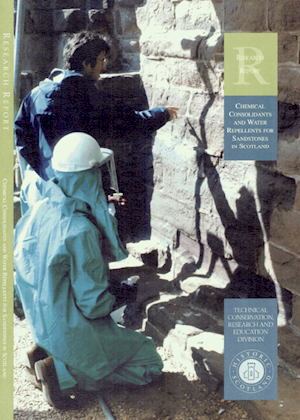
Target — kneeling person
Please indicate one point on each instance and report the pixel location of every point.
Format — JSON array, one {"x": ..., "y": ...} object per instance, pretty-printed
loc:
[{"x": 62, "y": 248}]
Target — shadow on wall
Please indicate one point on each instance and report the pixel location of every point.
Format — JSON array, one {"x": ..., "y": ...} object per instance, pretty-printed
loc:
[{"x": 245, "y": 233}]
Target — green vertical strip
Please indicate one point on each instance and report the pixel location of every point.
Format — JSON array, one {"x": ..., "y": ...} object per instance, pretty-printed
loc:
[{"x": 6, "y": 200}]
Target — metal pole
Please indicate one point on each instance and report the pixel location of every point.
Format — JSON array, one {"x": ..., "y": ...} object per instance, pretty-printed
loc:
[
  {"x": 18, "y": 51},
  {"x": 105, "y": 408}
]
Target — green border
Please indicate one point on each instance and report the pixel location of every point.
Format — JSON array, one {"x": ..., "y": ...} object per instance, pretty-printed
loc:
[{"x": 7, "y": 188}]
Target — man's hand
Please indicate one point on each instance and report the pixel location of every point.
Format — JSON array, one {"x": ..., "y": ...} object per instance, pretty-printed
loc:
[{"x": 173, "y": 112}]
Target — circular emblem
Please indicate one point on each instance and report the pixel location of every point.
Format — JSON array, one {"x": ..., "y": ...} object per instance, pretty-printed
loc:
[{"x": 251, "y": 371}]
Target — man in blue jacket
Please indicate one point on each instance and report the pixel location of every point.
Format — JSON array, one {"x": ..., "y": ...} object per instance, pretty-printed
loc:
[
  {"x": 63, "y": 244},
  {"x": 69, "y": 101}
]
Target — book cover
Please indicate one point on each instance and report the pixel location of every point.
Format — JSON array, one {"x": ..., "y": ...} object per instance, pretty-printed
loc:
[{"x": 227, "y": 210}]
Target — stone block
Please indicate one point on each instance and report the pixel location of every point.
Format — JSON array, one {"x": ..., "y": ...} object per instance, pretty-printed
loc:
[
  {"x": 39, "y": 54},
  {"x": 182, "y": 44},
  {"x": 28, "y": 24},
  {"x": 173, "y": 97},
  {"x": 285, "y": 228},
  {"x": 288, "y": 48},
  {"x": 151, "y": 252},
  {"x": 296, "y": 311},
  {"x": 129, "y": 3},
  {"x": 197, "y": 14},
  {"x": 194, "y": 74},
  {"x": 42, "y": 4},
  {"x": 42, "y": 21},
  {"x": 207, "y": 122},
  {"x": 178, "y": 177},
  {"x": 211, "y": 47},
  {"x": 274, "y": 191},
  {"x": 131, "y": 62},
  {"x": 289, "y": 83},
  {"x": 169, "y": 214},
  {"x": 71, "y": 4},
  {"x": 297, "y": 199},
  {"x": 154, "y": 72},
  {"x": 287, "y": 268},
  {"x": 288, "y": 120},
  {"x": 284, "y": 16},
  {"x": 100, "y": 20},
  {"x": 155, "y": 17},
  {"x": 123, "y": 86},
  {"x": 69, "y": 20},
  {"x": 125, "y": 22},
  {"x": 246, "y": 16},
  {"x": 288, "y": 161},
  {"x": 131, "y": 45}
]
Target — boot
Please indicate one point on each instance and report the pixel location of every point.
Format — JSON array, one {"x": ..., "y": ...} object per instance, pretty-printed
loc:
[
  {"x": 46, "y": 374},
  {"x": 30, "y": 357}
]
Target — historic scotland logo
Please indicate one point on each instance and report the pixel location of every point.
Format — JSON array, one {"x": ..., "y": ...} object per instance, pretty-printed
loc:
[{"x": 251, "y": 371}]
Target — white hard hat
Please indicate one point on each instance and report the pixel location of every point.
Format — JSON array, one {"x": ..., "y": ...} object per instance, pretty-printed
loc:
[{"x": 77, "y": 152}]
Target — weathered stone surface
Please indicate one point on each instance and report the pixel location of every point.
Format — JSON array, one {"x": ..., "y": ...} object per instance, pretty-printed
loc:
[
  {"x": 99, "y": 20},
  {"x": 129, "y": 3},
  {"x": 71, "y": 4},
  {"x": 41, "y": 4},
  {"x": 207, "y": 122},
  {"x": 172, "y": 97},
  {"x": 69, "y": 20},
  {"x": 296, "y": 312},
  {"x": 125, "y": 20},
  {"x": 131, "y": 45},
  {"x": 274, "y": 191},
  {"x": 150, "y": 252},
  {"x": 170, "y": 214},
  {"x": 131, "y": 62},
  {"x": 194, "y": 74},
  {"x": 197, "y": 14},
  {"x": 155, "y": 17},
  {"x": 288, "y": 161},
  {"x": 212, "y": 46},
  {"x": 297, "y": 199},
  {"x": 39, "y": 54},
  {"x": 289, "y": 83},
  {"x": 288, "y": 120},
  {"x": 42, "y": 21},
  {"x": 288, "y": 48},
  {"x": 287, "y": 268},
  {"x": 153, "y": 73},
  {"x": 182, "y": 44},
  {"x": 245, "y": 16},
  {"x": 179, "y": 170},
  {"x": 127, "y": 86},
  {"x": 284, "y": 16},
  {"x": 285, "y": 228}
]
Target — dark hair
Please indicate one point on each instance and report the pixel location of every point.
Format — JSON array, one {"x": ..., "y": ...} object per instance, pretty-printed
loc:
[{"x": 84, "y": 46}]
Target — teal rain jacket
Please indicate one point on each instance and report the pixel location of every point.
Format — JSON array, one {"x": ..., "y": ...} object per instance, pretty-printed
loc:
[{"x": 62, "y": 247}]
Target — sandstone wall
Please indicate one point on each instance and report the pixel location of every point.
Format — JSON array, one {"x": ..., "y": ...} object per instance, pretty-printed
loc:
[
  {"x": 243, "y": 214},
  {"x": 49, "y": 23},
  {"x": 233, "y": 219}
]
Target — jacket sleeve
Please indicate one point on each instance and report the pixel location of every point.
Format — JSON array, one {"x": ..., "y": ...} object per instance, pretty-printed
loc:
[
  {"x": 26, "y": 141},
  {"x": 120, "y": 119},
  {"x": 80, "y": 106},
  {"x": 89, "y": 282}
]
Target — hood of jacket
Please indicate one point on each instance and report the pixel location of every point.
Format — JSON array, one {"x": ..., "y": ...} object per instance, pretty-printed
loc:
[{"x": 83, "y": 191}]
